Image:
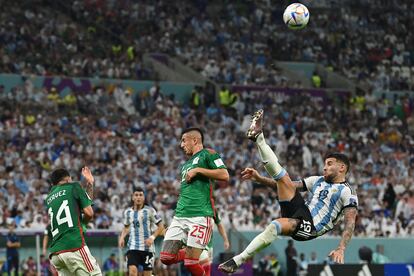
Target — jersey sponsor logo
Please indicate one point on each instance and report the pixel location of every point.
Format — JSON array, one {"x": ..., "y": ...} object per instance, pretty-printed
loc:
[
  {"x": 195, "y": 161},
  {"x": 218, "y": 162}
]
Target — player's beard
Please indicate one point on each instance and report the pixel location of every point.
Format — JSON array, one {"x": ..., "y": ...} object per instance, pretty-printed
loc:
[{"x": 330, "y": 178}]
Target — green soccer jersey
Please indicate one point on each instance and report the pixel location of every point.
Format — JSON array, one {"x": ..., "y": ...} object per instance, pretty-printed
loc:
[
  {"x": 64, "y": 204},
  {"x": 196, "y": 197}
]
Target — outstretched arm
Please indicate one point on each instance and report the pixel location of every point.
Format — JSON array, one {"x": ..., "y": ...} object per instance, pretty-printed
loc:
[
  {"x": 350, "y": 214},
  {"x": 252, "y": 174}
]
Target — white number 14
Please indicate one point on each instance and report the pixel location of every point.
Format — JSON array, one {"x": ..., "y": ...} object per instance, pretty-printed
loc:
[{"x": 67, "y": 218}]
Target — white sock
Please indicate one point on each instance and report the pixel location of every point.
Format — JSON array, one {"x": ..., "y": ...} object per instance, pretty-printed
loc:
[
  {"x": 269, "y": 158},
  {"x": 260, "y": 242}
]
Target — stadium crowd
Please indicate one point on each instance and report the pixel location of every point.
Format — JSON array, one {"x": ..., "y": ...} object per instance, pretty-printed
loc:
[
  {"x": 37, "y": 39},
  {"x": 234, "y": 43},
  {"x": 133, "y": 140}
]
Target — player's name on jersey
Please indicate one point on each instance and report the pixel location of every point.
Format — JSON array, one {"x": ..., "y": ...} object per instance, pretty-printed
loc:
[{"x": 56, "y": 195}]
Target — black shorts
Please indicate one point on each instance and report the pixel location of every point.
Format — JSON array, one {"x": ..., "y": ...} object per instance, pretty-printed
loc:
[
  {"x": 297, "y": 209},
  {"x": 139, "y": 258}
]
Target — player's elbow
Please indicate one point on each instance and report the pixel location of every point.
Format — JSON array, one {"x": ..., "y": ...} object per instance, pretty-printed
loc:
[
  {"x": 225, "y": 176},
  {"x": 88, "y": 213}
]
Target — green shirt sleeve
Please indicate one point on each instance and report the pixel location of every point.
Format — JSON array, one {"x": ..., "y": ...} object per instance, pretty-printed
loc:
[
  {"x": 81, "y": 196},
  {"x": 214, "y": 160},
  {"x": 217, "y": 219}
]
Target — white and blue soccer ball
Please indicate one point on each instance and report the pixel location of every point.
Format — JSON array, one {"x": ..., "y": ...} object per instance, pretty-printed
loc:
[{"x": 296, "y": 16}]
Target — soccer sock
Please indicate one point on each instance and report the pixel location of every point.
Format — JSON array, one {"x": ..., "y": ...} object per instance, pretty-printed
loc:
[
  {"x": 194, "y": 267},
  {"x": 260, "y": 242},
  {"x": 269, "y": 158},
  {"x": 168, "y": 258},
  {"x": 207, "y": 269},
  {"x": 181, "y": 255}
]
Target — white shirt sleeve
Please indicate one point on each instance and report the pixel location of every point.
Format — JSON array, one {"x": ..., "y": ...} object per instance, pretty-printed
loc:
[
  {"x": 155, "y": 217},
  {"x": 126, "y": 219},
  {"x": 310, "y": 181},
  {"x": 349, "y": 198}
]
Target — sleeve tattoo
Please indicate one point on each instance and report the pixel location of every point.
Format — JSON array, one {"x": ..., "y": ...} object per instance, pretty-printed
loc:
[
  {"x": 349, "y": 220},
  {"x": 89, "y": 190}
]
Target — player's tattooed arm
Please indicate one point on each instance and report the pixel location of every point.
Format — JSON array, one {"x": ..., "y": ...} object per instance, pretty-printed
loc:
[
  {"x": 87, "y": 174},
  {"x": 89, "y": 190},
  {"x": 350, "y": 214},
  {"x": 337, "y": 255}
]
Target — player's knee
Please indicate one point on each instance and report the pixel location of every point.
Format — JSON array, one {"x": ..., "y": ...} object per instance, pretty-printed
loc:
[
  {"x": 271, "y": 232},
  {"x": 167, "y": 258}
]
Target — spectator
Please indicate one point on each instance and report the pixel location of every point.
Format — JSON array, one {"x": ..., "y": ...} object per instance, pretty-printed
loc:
[
  {"x": 313, "y": 258},
  {"x": 12, "y": 253},
  {"x": 110, "y": 266},
  {"x": 378, "y": 257},
  {"x": 365, "y": 254},
  {"x": 303, "y": 265},
  {"x": 291, "y": 259},
  {"x": 29, "y": 267}
]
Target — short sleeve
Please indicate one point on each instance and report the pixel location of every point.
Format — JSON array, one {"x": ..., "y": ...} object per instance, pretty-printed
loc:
[
  {"x": 217, "y": 218},
  {"x": 349, "y": 198},
  {"x": 81, "y": 195},
  {"x": 155, "y": 216},
  {"x": 214, "y": 160},
  {"x": 309, "y": 182},
  {"x": 126, "y": 218}
]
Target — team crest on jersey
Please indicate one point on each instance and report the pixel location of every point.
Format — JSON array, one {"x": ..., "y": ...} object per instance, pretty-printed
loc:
[{"x": 195, "y": 161}]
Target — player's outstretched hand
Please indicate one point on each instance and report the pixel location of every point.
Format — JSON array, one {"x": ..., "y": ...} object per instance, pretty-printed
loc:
[
  {"x": 86, "y": 173},
  {"x": 250, "y": 173},
  {"x": 337, "y": 255}
]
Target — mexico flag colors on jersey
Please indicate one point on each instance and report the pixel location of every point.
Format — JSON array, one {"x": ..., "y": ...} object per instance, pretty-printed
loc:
[
  {"x": 64, "y": 204},
  {"x": 196, "y": 197}
]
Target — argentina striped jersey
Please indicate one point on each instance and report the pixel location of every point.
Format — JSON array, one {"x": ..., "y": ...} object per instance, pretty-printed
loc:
[
  {"x": 327, "y": 201},
  {"x": 142, "y": 223}
]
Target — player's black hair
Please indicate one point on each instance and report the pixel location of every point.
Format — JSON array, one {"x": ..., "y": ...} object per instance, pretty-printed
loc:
[
  {"x": 194, "y": 129},
  {"x": 340, "y": 157},
  {"x": 57, "y": 175},
  {"x": 139, "y": 189}
]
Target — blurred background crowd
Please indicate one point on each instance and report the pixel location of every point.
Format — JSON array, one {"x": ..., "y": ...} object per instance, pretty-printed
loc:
[{"x": 234, "y": 43}]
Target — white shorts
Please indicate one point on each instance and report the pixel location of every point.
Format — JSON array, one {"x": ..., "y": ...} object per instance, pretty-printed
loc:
[
  {"x": 79, "y": 262},
  {"x": 194, "y": 232}
]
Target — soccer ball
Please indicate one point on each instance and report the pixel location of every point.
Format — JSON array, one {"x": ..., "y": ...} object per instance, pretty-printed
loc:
[{"x": 296, "y": 16}]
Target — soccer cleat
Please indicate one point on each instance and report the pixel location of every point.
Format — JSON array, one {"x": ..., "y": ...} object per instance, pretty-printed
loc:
[
  {"x": 229, "y": 266},
  {"x": 256, "y": 126}
]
